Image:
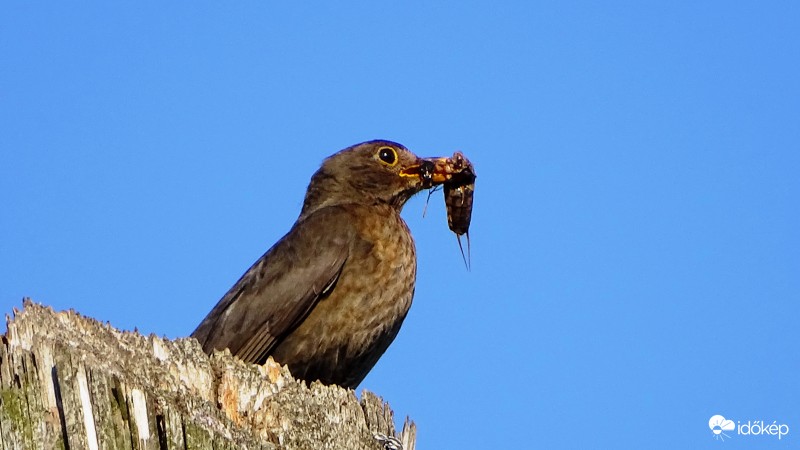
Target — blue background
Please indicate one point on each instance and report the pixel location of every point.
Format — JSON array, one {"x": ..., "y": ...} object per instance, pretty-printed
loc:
[{"x": 635, "y": 245}]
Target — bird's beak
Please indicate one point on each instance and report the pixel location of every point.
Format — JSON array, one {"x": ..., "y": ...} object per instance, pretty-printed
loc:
[{"x": 431, "y": 171}]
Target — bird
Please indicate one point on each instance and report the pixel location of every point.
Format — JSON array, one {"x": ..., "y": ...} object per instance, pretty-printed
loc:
[{"x": 330, "y": 296}]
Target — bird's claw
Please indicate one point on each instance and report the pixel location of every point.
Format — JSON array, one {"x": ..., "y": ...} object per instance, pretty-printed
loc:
[{"x": 388, "y": 442}]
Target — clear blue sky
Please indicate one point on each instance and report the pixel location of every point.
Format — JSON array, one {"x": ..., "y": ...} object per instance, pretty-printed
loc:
[{"x": 635, "y": 243}]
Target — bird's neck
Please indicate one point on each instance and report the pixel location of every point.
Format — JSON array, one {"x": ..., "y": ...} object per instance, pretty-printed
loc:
[{"x": 325, "y": 190}]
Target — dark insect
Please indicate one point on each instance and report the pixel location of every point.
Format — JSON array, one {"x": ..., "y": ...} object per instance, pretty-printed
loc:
[
  {"x": 458, "y": 193},
  {"x": 426, "y": 172}
]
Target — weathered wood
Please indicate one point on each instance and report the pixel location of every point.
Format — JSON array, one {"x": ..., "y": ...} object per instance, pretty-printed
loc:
[{"x": 70, "y": 382}]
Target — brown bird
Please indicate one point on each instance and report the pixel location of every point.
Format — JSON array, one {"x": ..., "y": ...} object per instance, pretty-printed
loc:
[{"x": 330, "y": 296}]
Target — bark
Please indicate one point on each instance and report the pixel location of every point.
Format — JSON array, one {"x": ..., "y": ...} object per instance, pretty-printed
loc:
[{"x": 70, "y": 382}]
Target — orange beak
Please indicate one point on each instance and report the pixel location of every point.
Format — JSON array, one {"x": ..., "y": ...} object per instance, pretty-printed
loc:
[{"x": 432, "y": 171}]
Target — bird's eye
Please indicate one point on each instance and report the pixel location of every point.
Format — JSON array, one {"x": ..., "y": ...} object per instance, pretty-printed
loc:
[{"x": 387, "y": 155}]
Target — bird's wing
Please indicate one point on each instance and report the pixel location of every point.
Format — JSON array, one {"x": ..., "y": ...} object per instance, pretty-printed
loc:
[{"x": 281, "y": 288}]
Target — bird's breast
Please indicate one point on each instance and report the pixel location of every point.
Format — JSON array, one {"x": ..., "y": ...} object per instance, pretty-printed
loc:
[{"x": 350, "y": 329}]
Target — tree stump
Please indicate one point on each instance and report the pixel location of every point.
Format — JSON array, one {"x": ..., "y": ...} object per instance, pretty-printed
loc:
[{"x": 71, "y": 382}]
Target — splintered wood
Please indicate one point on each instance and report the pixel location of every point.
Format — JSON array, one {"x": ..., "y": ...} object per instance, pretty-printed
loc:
[{"x": 67, "y": 381}]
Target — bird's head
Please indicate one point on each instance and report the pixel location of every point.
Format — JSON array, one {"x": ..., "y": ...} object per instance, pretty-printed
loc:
[{"x": 371, "y": 173}]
